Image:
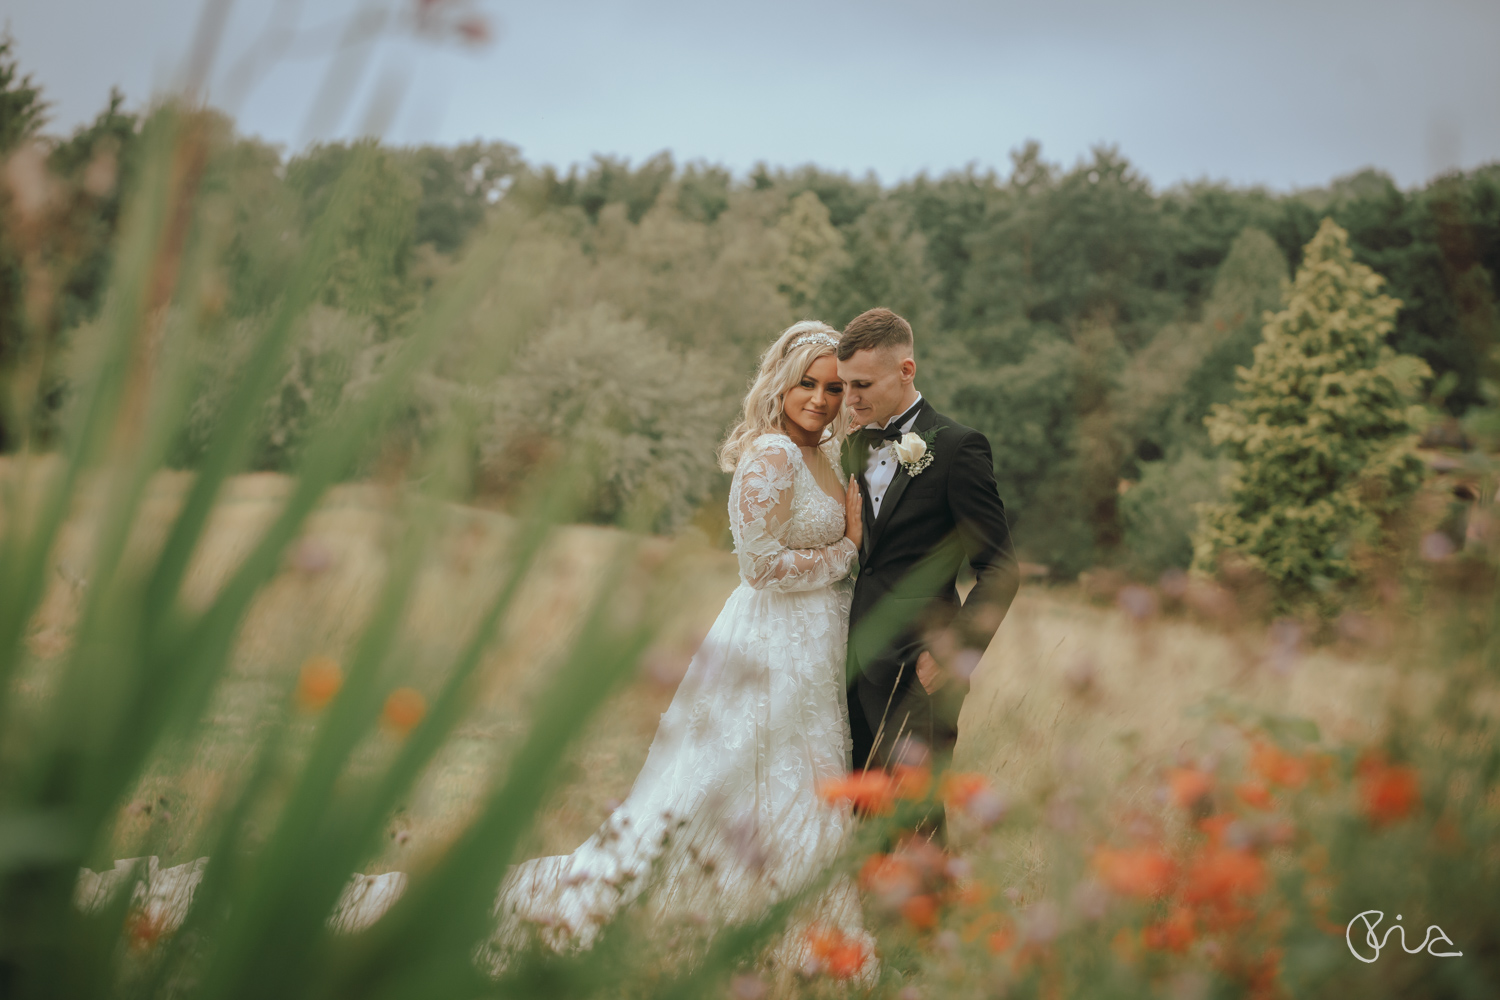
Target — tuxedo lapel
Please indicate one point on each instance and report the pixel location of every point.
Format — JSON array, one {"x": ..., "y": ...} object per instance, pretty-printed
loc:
[{"x": 899, "y": 482}]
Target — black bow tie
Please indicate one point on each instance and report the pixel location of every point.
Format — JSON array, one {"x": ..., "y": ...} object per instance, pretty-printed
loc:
[{"x": 874, "y": 437}]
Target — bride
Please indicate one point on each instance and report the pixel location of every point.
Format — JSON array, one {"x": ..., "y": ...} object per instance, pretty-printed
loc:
[{"x": 725, "y": 817}]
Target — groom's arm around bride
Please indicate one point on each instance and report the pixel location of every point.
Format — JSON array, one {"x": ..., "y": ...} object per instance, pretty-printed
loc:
[{"x": 930, "y": 503}]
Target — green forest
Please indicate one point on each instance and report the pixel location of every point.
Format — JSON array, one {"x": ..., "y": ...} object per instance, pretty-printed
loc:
[{"x": 1084, "y": 319}]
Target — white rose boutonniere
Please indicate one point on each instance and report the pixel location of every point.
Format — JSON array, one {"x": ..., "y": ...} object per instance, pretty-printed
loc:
[
  {"x": 910, "y": 448},
  {"x": 914, "y": 452}
]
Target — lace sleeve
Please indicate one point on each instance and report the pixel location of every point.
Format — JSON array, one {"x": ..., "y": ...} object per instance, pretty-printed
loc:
[{"x": 760, "y": 505}]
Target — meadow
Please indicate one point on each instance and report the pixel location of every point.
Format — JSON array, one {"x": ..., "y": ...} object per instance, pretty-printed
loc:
[
  {"x": 1086, "y": 703},
  {"x": 1066, "y": 679}
]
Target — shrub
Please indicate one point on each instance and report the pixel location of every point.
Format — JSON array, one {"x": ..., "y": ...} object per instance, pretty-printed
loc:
[
  {"x": 1159, "y": 511},
  {"x": 650, "y": 416},
  {"x": 334, "y": 355}
]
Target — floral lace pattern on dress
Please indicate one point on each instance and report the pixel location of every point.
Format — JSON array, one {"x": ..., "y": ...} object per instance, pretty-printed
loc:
[
  {"x": 724, "y": 818},
  {"x": 788, "y": 533}
]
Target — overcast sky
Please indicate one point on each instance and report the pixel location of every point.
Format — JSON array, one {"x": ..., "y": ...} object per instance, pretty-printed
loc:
[{"x": 1286, "y": 93}]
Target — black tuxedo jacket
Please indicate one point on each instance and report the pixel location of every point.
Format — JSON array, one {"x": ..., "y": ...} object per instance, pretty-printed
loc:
[{"x": 906, "y": 595}]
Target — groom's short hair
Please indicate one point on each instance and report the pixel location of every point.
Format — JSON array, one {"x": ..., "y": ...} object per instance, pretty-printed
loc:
[{"x": 874, "y": 329}]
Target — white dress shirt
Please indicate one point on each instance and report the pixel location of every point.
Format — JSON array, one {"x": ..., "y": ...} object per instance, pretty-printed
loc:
[{"x": 881, "y": 468}]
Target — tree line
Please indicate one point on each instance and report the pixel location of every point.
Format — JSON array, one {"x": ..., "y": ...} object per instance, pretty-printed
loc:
[{"x": 1085, "y": 320}]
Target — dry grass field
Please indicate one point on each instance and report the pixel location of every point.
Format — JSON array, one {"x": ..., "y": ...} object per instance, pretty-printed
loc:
[{"x": 1069, "y": 692}]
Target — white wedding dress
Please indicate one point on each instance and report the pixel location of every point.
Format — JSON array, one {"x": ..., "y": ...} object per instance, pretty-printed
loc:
[{"x": 725, "y": 817}]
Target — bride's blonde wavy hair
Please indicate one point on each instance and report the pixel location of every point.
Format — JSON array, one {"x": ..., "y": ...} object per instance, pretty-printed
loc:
[{"x": 781, "y": 367}]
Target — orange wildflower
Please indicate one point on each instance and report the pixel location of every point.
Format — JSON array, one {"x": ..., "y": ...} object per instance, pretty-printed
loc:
[
  {"x": 1254, "y": 794},
  {"x": 1189, "y": 785},
  {"x": 973, "y": 795},
  {"x": 868, "y": 791},
  {"x": 1219, "y": 874},
  {"x": 1141, "y": 872},
  {"x": 841, "y": 955},
  {"x": 822, "y": 940},
  {"x": 318, "y": 681},
  {"x": 143, "y": 931},
  {"x": 912, "y": 783},
  {"x": 1214, "y": 827},
  {"x": 921, "y": 912},
  {"x": 1279, "y": 767},
  {"x": 1387, "y": 792},
  {"x": 846, "y": 960},
  {"x": 1172, "y": 934},
  {"x": 1000, "y": 940},
  {"x": 958, "y": 788},
  {"x": 403, "y": 710}
]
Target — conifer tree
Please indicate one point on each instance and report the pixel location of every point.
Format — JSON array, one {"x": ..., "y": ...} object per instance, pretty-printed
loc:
[
  {"x": 22, "y": 110},
  {"x": 1322, "y": 433}
]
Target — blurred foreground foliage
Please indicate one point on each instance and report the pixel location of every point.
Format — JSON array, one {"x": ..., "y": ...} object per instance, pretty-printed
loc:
[
  {"x": 446, "y": 321},
  {"x": 1085, "y": 321}
]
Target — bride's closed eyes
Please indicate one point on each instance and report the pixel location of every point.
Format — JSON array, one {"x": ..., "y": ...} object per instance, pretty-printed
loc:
[{"x": 832, "y": 388}]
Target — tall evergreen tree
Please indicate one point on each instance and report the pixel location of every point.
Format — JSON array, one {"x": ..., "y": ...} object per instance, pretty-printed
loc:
[
  {"x": 1322, "y": 432},
  {"x": 22, "y": 110}
]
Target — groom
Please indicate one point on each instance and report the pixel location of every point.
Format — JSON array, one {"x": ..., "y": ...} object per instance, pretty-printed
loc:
[{"x": 930, "y": 502}]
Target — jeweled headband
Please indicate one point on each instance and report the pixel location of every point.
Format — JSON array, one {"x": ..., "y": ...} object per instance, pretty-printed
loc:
[{"x": 816, "y": 337}]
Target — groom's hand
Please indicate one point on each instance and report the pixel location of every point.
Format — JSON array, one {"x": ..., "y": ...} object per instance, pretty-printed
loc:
[{"x": 929, "y": 674}]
